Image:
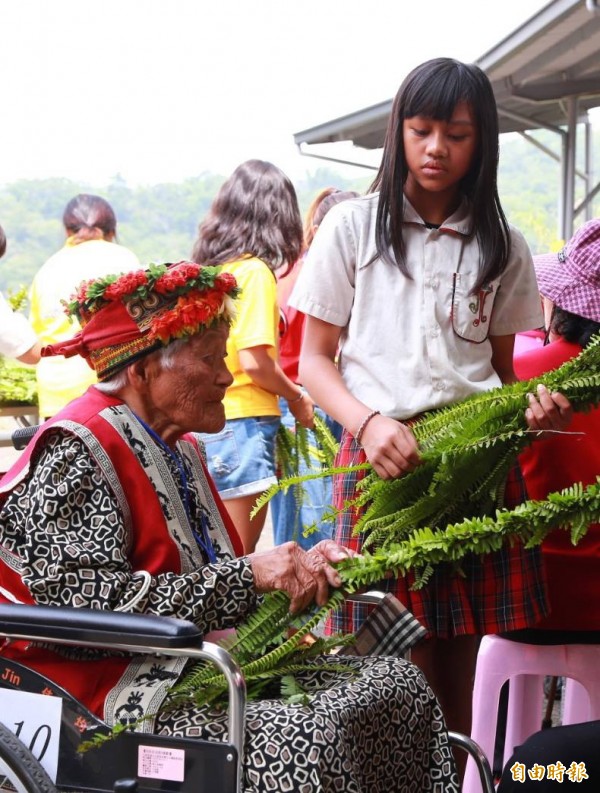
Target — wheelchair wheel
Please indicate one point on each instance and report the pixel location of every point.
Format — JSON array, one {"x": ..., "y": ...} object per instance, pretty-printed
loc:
[{"x": 19, "y": 769}]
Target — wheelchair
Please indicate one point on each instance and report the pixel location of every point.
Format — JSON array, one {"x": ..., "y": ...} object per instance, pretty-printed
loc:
[{"x": 134, "y": 761}]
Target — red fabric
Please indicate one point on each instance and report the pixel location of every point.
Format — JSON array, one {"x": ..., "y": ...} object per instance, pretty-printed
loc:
[
  {"x": 498, "y": 592},
  {"x": 291, "y": 326},
  {"x": 111, "y": 326},
  {"x": 553, "y": 464},
  {"x": 528, "y": 340},
  {"x": 80, "y": 410},
  {"x": 152, "y": 548}
]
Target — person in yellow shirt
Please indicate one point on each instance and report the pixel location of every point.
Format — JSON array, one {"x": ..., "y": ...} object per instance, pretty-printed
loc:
[
  {"x": 252, "y": 228},
  {"x": 90, "y": 251}
]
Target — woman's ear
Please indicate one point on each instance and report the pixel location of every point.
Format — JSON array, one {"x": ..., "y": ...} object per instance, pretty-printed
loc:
[{"x": 138, "y": 373}]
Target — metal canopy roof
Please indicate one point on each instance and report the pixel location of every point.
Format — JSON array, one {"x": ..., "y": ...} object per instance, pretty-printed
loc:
[
  {"x": 546, "y": 74},
  {"x": 553, "y": 56}
]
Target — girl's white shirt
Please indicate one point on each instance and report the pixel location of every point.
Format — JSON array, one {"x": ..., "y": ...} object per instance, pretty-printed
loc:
[{"x": 413, "y": 344}]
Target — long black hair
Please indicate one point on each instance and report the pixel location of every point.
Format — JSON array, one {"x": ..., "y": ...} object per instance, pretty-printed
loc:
[
  {"x": 255, "y": 213},
  {"x": 433, "y": 90}
]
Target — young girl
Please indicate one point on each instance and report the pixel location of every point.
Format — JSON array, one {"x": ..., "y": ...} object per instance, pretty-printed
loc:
[
  {"x": 423, "y": 284},
  {"x": 252, "y": 228}
]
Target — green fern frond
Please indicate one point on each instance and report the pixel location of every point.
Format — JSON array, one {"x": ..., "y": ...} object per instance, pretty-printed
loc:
[
  {"x": 530, "y": 523},
  {"x": 292, "y": 692},
  {"x": 326, "y": 442}
]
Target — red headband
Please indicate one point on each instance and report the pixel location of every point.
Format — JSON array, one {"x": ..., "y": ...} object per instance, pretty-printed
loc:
[{"x": 125, "y": 316}]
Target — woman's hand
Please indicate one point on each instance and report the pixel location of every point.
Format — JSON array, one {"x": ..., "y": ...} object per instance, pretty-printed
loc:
[
  {"x": 549, "y": 411},
  {"x": 390, "y": 446},
  {"x": 304, "y": 575}
]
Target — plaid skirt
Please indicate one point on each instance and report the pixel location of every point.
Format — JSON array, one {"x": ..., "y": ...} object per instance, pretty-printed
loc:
[{"x": 493, "y": 593}]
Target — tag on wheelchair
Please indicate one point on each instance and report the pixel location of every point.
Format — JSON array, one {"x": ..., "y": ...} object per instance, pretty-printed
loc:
[
  {"x": 35, "y": 720},
  {"x": 161, "y": 762}
]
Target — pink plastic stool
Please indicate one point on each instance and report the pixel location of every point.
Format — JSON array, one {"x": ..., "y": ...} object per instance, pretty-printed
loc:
[{"x": 525, "y": 666}]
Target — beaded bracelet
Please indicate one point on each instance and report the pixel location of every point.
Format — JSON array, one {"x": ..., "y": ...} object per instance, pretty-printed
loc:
[
  {"x": 365, "y": 421},
  {"x": 295, "y": 399}
]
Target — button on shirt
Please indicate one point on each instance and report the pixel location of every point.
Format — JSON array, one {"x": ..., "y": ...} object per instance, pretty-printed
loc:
[{"x": 413, "y": 344}]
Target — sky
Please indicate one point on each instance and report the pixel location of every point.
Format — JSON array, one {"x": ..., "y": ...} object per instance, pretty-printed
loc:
[{"x": 163, "y": 90}]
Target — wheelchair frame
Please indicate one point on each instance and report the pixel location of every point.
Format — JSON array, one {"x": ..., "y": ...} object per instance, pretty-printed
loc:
[
  {"x": 148, "y": 633},
  {"x": 133, "y": 633}
]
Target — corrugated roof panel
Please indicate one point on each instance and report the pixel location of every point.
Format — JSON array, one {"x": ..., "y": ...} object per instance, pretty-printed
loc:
[{"x": 554, "y": 55}]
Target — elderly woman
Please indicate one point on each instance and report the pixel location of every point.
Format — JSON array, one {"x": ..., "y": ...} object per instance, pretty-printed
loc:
[{"x": 110, "y": 507}]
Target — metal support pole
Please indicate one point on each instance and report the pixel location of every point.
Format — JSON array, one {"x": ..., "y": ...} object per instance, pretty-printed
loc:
[
  {"x": 589, "y": 167},
  {"x": 562, "y": 190},
  {"x": 570, "y": 167}
]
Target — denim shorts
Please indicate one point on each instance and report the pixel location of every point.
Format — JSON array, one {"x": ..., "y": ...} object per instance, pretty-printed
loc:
[
  {"x": 241, "y": 458},
  {"x": 302, "y": 505}
]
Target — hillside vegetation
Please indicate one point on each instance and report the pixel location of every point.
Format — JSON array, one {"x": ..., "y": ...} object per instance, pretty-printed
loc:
[{"x": 159, "y": 222}]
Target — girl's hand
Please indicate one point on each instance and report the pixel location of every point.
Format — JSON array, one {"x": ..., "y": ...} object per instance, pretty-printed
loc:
[
  {"x": 303, "y": 410},
  {"x": 548, "y": 411},
  {"x": 390, "y": 446}
]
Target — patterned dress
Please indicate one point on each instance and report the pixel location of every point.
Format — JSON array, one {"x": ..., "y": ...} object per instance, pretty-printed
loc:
[{"x": 73, "y": 532}]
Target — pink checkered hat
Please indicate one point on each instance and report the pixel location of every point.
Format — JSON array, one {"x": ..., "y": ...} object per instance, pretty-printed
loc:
[{"x": 571, "y": 278}]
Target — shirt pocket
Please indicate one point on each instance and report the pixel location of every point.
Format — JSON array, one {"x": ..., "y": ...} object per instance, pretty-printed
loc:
[{"x": 472, "y": 312}]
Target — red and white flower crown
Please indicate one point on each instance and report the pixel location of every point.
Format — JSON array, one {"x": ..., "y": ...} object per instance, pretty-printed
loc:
[
  {"x": 178, "y": 299},
  {"x": 126, "y": 316}
]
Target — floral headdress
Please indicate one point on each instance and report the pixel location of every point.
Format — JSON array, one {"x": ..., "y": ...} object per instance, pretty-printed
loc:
[{"x": 128, "y": 315}]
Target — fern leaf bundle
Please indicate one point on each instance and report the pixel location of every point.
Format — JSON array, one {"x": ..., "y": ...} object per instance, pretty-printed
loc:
[
  {"x": 268, "y": 646},
  {"x": 301, "y": 455},
  {"x": 268, "y": 654},
  {"x": 572, "y": 509},
  {"x": 294, "y": 447},
  {"x": 467, "y": 451}
]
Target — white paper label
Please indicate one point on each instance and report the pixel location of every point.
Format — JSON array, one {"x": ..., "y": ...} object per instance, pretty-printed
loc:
[
  {"x": 161, "y": 762},
  {"x": 35, "y": 720}
]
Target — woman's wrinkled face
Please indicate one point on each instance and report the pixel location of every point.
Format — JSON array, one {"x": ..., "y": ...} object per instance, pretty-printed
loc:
[{"x": 187, "y": 395}]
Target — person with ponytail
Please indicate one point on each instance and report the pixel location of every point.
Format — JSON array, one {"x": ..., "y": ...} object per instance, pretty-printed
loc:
[{"x": 90, "y": 251}]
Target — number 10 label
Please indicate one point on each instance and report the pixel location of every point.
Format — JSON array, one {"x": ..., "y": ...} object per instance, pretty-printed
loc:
[{"x": 35, "y": 720}]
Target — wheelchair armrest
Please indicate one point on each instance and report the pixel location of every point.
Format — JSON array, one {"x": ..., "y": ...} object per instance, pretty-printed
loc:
[
  {"x": 50, "y": 623},
  {"x": 149, "y": 632},
  {"x": 21, "y": 437}
]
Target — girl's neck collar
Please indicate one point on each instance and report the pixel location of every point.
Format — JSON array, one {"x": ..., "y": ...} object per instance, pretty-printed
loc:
[
  {"x": 459, "y": 221},
  {"x": 433, "y": 208}
]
